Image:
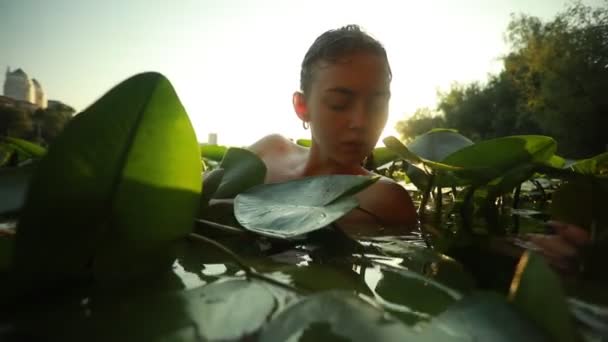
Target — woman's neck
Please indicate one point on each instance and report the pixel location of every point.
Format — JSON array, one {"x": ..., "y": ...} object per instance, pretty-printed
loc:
[{"x": 318, "y": 164}]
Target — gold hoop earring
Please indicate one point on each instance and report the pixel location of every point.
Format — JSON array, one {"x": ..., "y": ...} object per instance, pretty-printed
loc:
[{"x": 305, "y": 124}]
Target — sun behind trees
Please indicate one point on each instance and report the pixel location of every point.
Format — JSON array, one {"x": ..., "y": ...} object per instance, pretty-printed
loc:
[{"x": 554, "y": 82}]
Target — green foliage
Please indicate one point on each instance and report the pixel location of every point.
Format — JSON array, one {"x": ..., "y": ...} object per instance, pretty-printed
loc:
[
  {"x": 334, "y": 316},
  {"x": 120, "y": 189},
  {"x": 242, "y": 170},
  {"x": 51, "y": 121},
  {"x": 537, "y": 292},
  {"x": 423, "y": 120},
  {"x": 553, "y": 83},
  {"x": 100, "y": 204},
  {"x": 213, "y": 152},
  {"x": 289, "y": 209},
  {"x": 15, "y": 122}
]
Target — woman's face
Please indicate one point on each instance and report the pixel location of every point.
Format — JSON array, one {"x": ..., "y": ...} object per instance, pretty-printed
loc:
[{"x": 347, "y": 106}]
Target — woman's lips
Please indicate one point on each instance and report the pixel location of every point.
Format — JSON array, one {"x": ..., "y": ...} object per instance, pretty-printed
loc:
[{"x": 353, "y": 145}]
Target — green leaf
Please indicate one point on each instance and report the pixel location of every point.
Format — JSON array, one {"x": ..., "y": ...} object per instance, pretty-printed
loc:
[
  {"x": 382, "y": 156},
  {"x": 334, "y": 316},
  {"x": 304, "y": 142},
  {"x": 424, "y": 261},
  {"x": 230, "y": 310},
  {"x": 536, "y": 291},
  {"x": 243, "y": 169},
  {"x": 480, "y": 317},
  {"x": 424, "y": 164},
  {"x": 211, "y": 182},
  {"x": 437, "y": 144},
  {"x": 14, "y": 182},
  {"x": 597, "y": 165},
  {"x": 556, "y": 161},
  {"x": 25, "y": 148},
  {"x": 408, "y": 295},
  {"x": 213, "y": 152},
  {"x": 7, "y": 246},
  {"x": 285, "y": 210},
  {"x": 580, "y": 202},
  {"x": 497, "y": 156},
  {"x": 116, "y": 189}
]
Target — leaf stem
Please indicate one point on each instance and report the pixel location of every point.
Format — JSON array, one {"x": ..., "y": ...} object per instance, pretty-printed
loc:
[
  {"x": 250, "y": 273},
  {"x": 220, "y": 226}
]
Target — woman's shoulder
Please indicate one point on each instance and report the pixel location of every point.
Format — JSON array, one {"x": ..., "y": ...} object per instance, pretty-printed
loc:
[{"x": 272, "y": 144}]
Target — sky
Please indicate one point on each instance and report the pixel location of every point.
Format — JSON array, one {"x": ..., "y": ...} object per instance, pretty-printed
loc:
[{"x": 236, "y": 63}]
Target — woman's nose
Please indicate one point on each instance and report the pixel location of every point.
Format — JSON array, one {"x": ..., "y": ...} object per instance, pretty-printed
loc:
[{"x": 358, "y": 117}]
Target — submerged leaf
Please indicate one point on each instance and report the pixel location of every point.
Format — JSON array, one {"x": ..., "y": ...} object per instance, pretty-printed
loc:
[{"x": 289, "y": 209}]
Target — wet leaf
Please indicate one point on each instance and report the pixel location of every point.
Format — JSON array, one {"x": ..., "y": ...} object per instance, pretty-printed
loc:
[
  {"x": 243, "y": 169},
  {"x": 286, "y": 210},
  {"x": 480, "y": 317},
  {"x": 334, "y": 316},
  {"x": 536, "y": 291}
]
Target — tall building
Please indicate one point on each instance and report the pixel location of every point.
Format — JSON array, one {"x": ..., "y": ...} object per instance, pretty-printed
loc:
[{"x": 19, "y": 86}]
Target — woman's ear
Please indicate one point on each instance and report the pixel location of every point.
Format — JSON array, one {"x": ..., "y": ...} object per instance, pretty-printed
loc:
[{"x": 299, "y": 106}]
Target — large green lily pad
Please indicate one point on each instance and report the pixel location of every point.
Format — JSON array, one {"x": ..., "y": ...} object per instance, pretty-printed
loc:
[{"x": 286, "y": 210}]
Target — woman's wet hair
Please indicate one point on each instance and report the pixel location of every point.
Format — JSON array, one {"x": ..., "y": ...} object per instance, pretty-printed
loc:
[{"x": 334, "y": 44}]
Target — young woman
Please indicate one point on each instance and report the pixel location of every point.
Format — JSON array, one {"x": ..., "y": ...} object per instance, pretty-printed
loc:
[{"x": 343, "y": 99}]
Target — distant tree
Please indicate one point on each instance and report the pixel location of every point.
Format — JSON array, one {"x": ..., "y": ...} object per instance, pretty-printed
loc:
[
  {"x": 560, "y": 69},
  {"x": 15, "y": 122},
  {"x": 487, "y": 111},
  {"x": 554, "y": 82},
  {"x": 423, "y": 120},
  {"x": 51, "y": 121}
]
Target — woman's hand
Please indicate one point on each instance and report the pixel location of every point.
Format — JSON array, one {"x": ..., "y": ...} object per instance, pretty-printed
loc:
[{"x": 561, "y": 249}]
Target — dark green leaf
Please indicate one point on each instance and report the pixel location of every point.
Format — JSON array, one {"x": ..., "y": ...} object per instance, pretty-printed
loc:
[
  {"x": 293, "y": 208},
  {"x": 536, "y": 291},
  {"x": 409, "y": 295},
  {"x": 243, "y": 169},
  {"x": 480, "y": 317},
  {"x": 14, "y": 182},
  {"x": 229, "y": 310},
  {"x": 116, "y": 188},
  {"x": 497, "y": 156},
  {"x": 334, "y": 316}
]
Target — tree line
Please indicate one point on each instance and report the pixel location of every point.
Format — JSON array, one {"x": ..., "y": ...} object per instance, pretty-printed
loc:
[
  {"x": 40, "y": 125},
  {"x": 554, "y": 82}
]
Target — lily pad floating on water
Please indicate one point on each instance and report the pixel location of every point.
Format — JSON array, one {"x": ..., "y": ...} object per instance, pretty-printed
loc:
[
  {"x": 293, "y": 208},
  {"x": 335, "y": 316}
]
